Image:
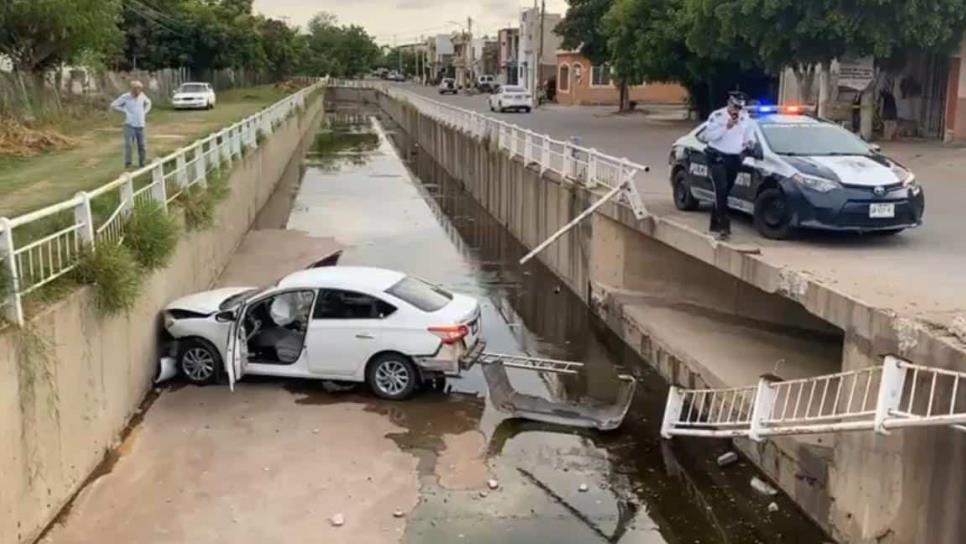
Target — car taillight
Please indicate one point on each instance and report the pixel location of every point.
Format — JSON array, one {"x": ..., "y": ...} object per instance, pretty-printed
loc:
[{"x": 450, "y": 334}]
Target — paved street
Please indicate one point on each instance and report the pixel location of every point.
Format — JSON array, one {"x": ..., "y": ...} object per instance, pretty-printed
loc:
[{"x": 919, "y": 272}]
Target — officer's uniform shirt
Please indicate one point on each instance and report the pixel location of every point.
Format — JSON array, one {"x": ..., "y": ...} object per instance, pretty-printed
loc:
[{"x": 731, "y": 141}]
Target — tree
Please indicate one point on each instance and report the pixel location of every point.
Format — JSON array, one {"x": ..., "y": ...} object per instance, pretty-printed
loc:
[
  {"x": 39, "y": 34},
  {"x": 339, "y": 51}
]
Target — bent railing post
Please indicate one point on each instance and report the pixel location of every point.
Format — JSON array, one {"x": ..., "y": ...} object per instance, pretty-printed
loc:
[{"x": 12, "y": 307}]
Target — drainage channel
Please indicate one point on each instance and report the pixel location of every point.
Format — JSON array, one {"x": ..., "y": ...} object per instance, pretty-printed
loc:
[{"x": 372, "y": 189}]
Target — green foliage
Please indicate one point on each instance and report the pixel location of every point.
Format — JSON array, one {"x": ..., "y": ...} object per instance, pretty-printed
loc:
[
  {"x": 40, "y": 34},
  {"x": 583, "y": 29},
  {"x": 218, "y": 187},
  {"x": 115, "y": 275},
  {"x": 151, "y": 234},
  {"x": 338, "y": 50},
  {"x": 199, "y": 208}
]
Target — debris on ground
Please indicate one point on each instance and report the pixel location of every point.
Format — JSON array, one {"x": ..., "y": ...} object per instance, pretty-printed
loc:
[
  {"x": 773, "y": 507},
  {"x": 398, "y": 513},
  {"x": 726, "y": 459},
  {"x": 492, "y": 484},
  {"x": 483, "y": 494},
  {"x": 18, "y": 140},
  {"x": 337, "y": 520},
  {"x": 763, "y": 487},
  {"x": 583, "y": 488}
]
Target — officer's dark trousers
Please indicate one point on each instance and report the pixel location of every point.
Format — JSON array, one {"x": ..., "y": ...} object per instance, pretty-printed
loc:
[{"x": 724, "y": 169}]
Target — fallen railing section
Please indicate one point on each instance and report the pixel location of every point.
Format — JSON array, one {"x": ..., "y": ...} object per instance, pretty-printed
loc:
[
  {"x": 33, "y": 264},
  {"x": 896, "y": 395}
]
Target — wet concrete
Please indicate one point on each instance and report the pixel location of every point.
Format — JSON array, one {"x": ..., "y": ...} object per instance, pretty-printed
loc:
[{"x": 271, "y": 461}]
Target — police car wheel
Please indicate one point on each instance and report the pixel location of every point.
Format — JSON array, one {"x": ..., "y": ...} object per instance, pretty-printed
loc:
[
  {"x": 683, "y": 199},
  {"x": 773, "y": 217}
]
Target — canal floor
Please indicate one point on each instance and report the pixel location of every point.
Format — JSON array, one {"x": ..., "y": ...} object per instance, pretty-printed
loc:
[{"x": 274, "y": 460}]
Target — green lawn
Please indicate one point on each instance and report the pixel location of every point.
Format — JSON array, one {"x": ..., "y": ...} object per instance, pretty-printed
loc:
[{"x": 31, "y": 183}]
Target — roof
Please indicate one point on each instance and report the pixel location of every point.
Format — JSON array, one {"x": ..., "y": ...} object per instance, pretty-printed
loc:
[
  {"x": 359, "y": 277},
  {"x": 776, "y": 119}
]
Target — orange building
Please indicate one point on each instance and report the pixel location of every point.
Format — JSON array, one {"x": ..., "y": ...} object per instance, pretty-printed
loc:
[{"x": 579, "y": 83}]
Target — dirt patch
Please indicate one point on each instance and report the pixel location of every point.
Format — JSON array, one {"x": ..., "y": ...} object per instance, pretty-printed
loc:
[
  {"x": 19, "y": 140},
  {"x": 462, "y": 465}
]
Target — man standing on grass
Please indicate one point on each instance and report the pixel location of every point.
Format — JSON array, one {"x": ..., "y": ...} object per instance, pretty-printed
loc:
[{"x": 135, "y": 106}]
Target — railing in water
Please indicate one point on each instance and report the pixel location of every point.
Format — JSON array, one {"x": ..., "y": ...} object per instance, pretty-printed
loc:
[{"x": 31, "y": 264}]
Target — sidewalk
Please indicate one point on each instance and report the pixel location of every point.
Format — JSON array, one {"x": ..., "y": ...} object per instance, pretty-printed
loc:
[{"x": 31, "y": 183}]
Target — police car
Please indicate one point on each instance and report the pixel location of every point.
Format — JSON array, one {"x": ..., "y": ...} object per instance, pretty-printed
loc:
[{"x": 804, "y": 172}]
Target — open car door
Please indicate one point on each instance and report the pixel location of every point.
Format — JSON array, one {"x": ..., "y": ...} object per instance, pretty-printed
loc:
[{"x": 237, "y": 353}]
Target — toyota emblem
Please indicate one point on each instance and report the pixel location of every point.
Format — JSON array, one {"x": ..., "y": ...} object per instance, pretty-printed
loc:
[{"x": 879, "y": 190}]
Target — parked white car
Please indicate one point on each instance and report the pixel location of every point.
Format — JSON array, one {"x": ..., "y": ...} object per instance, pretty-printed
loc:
[
  {"x": 194, "y": 96},
  {"x": 510, "y": 97},
  {"x": 353, "y": 324}
]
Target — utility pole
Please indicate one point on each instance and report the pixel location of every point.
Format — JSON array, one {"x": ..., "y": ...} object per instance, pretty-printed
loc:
[
  {"x": 539, "y": 62},
  {"x": 469, "y": 30}
]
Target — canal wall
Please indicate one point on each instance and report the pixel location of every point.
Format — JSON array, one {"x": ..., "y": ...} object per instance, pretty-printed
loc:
[
  {"x": 70, "y": 380},
  {"x": 707, "y": 314}
]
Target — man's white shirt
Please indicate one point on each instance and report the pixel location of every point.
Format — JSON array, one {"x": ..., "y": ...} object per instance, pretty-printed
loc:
[{"x": 730, "y": 140}]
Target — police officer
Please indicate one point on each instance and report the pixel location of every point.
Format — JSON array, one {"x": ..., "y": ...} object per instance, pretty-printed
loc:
[{"x": 730, "y": 133}]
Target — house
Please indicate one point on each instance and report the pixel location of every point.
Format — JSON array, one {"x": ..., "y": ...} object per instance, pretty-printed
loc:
[
  {"x": 486, "y": 53},
  {"x": 439, "y": 52},
  {"x": 462, "y": 58},
  {"x": 532, "y": 67},
  {"x": 509, "y": 41},
  {"x": 580, "y": 83}
]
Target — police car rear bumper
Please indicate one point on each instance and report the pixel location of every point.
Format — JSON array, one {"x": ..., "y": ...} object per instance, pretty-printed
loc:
[{"x": 848, "y": 208}]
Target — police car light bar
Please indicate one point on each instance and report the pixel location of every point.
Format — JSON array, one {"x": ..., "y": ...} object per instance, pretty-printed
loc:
[{"x": 788, "y": 110}]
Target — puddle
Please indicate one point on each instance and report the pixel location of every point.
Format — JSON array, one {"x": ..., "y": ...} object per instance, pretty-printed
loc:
[{"x": 413, "y": 217}]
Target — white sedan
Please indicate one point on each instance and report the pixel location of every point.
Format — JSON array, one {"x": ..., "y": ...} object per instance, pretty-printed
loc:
[
  {"x": 510, "y": 97},
  {"x": 194, "y": 96},
  {"x": 343, "y": 323}
]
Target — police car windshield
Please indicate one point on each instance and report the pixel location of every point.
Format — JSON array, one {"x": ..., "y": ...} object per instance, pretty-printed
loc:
[{"x": 812, "y": 139}]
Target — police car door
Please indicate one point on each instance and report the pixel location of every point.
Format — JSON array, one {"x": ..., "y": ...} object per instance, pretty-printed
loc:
[
  {"x": 749, "y": 178},
  {"x": 699, "y": 173}
]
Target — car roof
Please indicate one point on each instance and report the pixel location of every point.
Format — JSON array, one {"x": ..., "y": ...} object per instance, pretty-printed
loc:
[{"x": 347, "y": 277}]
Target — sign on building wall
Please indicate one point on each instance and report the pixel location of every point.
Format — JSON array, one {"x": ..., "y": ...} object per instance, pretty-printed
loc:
[{"x": 856, "y": 73}]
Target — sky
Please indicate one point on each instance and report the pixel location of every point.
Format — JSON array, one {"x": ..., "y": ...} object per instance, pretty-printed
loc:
[{"x": 405, "y": 20}]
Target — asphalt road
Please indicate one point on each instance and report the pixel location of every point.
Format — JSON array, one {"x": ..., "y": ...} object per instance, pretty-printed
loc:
[{"x": 921, "y": 272}]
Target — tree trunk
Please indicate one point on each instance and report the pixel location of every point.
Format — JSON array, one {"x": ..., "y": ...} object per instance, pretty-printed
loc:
[
  {"x": 625, "y": 97},
  {"x": 805, "y": 75}
]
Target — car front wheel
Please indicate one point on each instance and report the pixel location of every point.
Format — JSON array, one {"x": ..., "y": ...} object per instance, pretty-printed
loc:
[
  {"x": 773, "y": 216},
  {"x": 392, "y": 376},
  {"x": 199, "y": 361},
  {"x": 683, "y": 199}
]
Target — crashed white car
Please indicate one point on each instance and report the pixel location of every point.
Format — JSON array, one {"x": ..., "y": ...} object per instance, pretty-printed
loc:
[
  {"x": 342, "y": 323},
  {"x": 194, "y": 96}
]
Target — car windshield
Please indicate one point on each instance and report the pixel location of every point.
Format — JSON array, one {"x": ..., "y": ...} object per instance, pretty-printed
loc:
[
  {"x": 235, "y": 300},
  {"x": 425, "y": 296},
  {"x": 812, "y": 139},
  {"x": 513, "y": 89},
  {"x": 192, "y": 88}
]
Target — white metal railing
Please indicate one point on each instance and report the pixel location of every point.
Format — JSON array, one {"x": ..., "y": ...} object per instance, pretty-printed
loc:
[
  {"x": 895, "y": 395},
  {"x": 32, "y": 263},
  {"x": 571, "y": 162}
]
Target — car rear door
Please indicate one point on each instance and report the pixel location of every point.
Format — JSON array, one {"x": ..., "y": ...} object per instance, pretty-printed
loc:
[
  {"x": 346, "y": 330},
  {"x": 699, "y": 171}
]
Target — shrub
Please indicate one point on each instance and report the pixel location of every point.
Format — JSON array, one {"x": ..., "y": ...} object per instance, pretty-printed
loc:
[
  {"x": 115, "y": 275},
  {"x": 218, "y": 187},
  {"x": 260, "y": 136},
  {"x": 199, "y": 207},
  {"x": 151, "y": 234}
]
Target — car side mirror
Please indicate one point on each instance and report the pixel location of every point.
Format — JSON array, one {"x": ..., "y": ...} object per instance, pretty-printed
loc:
[
  {"x": 227, "y": 316},
  {"x": 876, "y": 148}
]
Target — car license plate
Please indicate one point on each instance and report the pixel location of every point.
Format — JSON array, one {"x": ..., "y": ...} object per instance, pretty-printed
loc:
[{"x": 881, "y": 211}]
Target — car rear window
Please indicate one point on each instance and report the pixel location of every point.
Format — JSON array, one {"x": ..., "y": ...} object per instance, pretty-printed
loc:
[{"x": 425, "y": 296}]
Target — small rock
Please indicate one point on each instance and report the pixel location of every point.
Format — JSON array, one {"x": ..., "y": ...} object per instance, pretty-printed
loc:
[
  {"x": 483, "y": 494},
  {"x": 556, "y": 289},
  {"x": 772, "y": 507},
  {"x": 315, "y": 431},
  {"x": 267, "y": 469},
  {"x": 492, "y": 484},
  {"x": 726, "y": 459},
  {"x": 398, "y": 513},
  {"x": 338, "y": 520},
  {"x": 583, "y": 488},
  {"x": 763, "y": 487}
]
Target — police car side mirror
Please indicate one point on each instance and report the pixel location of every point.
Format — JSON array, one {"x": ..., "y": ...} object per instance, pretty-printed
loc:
[{"x": 876, "y": 148}]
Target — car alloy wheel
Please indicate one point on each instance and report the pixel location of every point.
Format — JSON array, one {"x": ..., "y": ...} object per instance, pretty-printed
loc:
[
  {"x": 198, "y": 364},
  {"x": 773, "y": 217},
  {"x": 392, "y": 377},
  {"x": 683, "y": 199}
]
